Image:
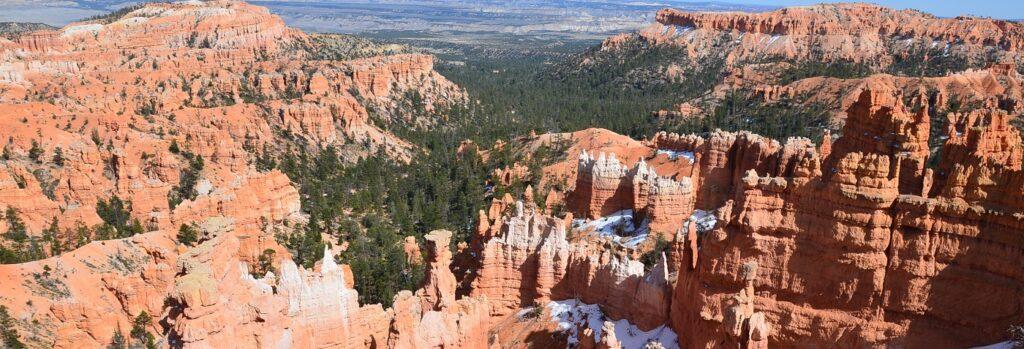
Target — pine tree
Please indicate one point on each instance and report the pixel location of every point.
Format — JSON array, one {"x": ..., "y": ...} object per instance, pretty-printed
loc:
[
  {"x": 8, "y": 334},
  {"x": 266, "y": 263},
  {"x": 58, "y": 157},
  {"x": 117, "y": 221},
  {"x": 139, "y": 332},
  {"x": 50, "y": 237},
  {"x": 187, "y": 235},
  {"x": 118, "y": 342},
  {"x": 16, "y": 231},
  {"x": 36, "y": 152}
]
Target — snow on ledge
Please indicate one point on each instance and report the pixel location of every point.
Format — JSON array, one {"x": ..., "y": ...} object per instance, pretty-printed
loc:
[
  {"x": 672, "y": 154},
  {"x": 571, "y": 313},
  {"x": 618, "y": 227},
  {"x": 705, "y": 220}
]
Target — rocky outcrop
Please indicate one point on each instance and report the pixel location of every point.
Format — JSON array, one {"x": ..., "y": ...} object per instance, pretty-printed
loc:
[
  {"x": 311, "y": 308},
  {"x": 773, "y": 55},
  {"x": 880, "y": 124},
  {"x": 531, "y": 262},
  {"x": 849, "y": 248},
  {"x": 746, "y": 328},
  {"x": 438, "y": 292},
  {"x": 433, "y": 318},
  {"x": 79, "y": 299},
  {"x": 855, "y": 20},
  {"x": 997, "y": 83},
  {"x": 186, "y": 101},
  {"x": 129, "y": 99},
  {"x": 865, "y": 33},
  {"x": 860, "y": 241},
  {"x": 605, "y": 186},
  {"x": 981, "y": 137}
]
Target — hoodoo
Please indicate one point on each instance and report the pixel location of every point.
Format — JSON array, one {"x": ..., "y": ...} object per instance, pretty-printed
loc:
[{"x": 197, "y": 174}]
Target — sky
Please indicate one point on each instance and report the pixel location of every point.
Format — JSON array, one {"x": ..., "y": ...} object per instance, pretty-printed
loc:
[{"x": 1005, "y": 9}]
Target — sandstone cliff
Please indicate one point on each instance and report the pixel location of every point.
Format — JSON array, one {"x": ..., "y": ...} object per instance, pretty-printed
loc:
[
  {"x": 170, "y": 107},
  {"x": 855, "y": 32},
  {"x": 861, "y": 241},
  {"x": 310, "y": 308},
  {"x": 128, "y": 101}
]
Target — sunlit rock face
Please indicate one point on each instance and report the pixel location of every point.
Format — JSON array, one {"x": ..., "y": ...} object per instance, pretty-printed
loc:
[
  {"x": 313, "y": 308},
  {"x": 867, "y": 239},
  {"x": 129, "y": 103},
  {"x": 126, "y": 100},
  {"x": 860, "y": 240},
  {"x": 531, "y": 262},
  {"x": 852, "y": 32},
  {"x": 870, "y": 239},
  {"x": 605, "y": 186}
]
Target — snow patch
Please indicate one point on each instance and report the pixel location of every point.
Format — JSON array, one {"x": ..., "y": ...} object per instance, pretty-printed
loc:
[
  {"x": 680, "y": 30},
  {"x": 571, "y": 313},
  {"x": 773, "y": 39},
  {"x": 618, "y": 227},
  {"x": 204, "y": 187},
  {"x": 672, "y": 155},
  {"x": 705, "y": 220}
]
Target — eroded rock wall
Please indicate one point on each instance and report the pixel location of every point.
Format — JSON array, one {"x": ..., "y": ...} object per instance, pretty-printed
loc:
[
  {"x": 531, "y": 262},
  {"x": 850, "y": 256}
]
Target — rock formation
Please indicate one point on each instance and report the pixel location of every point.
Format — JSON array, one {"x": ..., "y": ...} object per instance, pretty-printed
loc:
[
  {"x": 745, "y": 327},
  {"x": 863, "y": 241},
  {"x": 312, "y": 308},
  {"x": 605, "y": 186},
  {"x": 773, "y": 55},
  {"x": 438, "y": 292},
  {"x": 133, "y": 105},
  {"x": 843, "y": 241},
  {"x": 856, "y": 32},
  {"x": 531, "y": 262},
  {"x": 128, "y": 100},
  {"x": 871, "y": 239}
]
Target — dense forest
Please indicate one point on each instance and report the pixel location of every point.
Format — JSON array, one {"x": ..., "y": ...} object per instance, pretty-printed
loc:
[{"x": 373, "y": 204}]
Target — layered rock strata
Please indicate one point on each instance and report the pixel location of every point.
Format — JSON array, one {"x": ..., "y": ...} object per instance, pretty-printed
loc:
[
  {"x": 313, "y": 308},
  {"x": 867, "y": 240},
  {"x": 173, "y": 108},
  {"x": 844, "y": 245},
  {"x": 850, "y": 32},
  {"x": 129, "y": 101},
  {"x": 604, "y": 186},
  {"x": 531, "y": 262}
]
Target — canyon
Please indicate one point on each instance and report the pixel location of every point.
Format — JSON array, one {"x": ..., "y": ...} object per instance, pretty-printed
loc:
[
  {"x": 140, "y": 167},
  {"x": 843, "y": 47}
]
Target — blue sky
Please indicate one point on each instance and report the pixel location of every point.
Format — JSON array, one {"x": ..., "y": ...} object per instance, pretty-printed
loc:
[{"x": 1009, "y": 9}]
